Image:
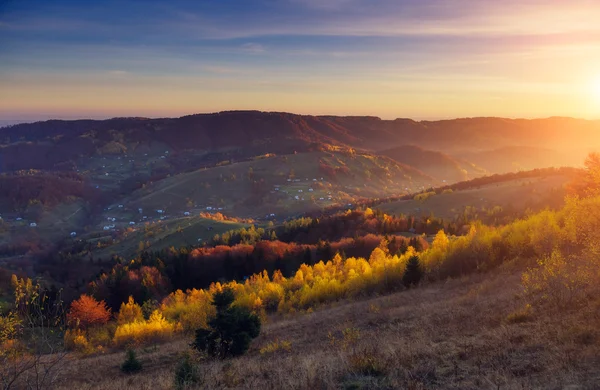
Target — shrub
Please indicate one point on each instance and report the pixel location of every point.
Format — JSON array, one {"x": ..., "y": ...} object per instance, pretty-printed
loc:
[
  {"x": 186, "y": 373},
  {"x": 76, "y": 340},
  {"x": 275, "y": 346},
  {"x": 349, "y": 338},
  {"x": 231, "y": 331},
  {"x": 131, "y": 364},
  {"x": 86, "y": 312},
  {"x": 519, "y": 316},
  {"x": 560, "y": 282},
  {"x": 366, "y": 363},
  {"x": 156, "y": 329}
]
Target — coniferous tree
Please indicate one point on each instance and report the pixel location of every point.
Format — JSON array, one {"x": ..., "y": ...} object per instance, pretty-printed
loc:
[
  {"x": 231, "y": 331},
  {"x": 131, "y": 364},
  {"x": 413, "y": 273}
]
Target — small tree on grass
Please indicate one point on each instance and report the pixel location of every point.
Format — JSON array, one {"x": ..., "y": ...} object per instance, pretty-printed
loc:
[
  {"x": 131, "y": 364},
  {"x": 186, "y": 373},
  {"x": 231, "y": 331},
  {"x": 413, "y": 273}
]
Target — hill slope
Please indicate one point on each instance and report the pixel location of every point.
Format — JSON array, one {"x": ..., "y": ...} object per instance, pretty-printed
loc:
[
  {"x": 51, "y": 143},
  {"x": 434, "y": 163}
]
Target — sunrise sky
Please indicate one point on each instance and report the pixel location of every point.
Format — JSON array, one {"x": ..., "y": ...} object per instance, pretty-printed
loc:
[{"x": 397, "y": 58}]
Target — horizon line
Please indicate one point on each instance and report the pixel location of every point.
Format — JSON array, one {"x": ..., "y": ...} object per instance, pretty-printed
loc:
[{"x": 17, "y": 121}]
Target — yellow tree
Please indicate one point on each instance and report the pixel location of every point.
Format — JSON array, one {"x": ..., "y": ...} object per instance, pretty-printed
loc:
[
  {"x": 587, "y": 183},
  {"x": 129, "y": 312}
]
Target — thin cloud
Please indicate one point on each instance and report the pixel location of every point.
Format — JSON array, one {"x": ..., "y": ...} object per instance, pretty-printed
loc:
[{"x": 254, "y": 48}]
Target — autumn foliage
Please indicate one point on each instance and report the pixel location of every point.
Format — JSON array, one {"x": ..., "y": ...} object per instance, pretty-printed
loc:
[{"x": 86, "y": 312}]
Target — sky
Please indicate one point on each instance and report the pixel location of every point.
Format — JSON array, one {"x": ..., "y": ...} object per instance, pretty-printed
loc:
[{"x": 389, "y": 58}]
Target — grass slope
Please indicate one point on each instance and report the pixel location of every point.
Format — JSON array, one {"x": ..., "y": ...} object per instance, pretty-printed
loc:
[
  {"x": 516, "y": 195},
  {"x": 441, "y": 336},
  {"x": 270, "y": 185}
]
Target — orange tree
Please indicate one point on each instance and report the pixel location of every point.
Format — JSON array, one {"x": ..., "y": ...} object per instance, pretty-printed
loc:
[{"x": 86, "y": 312}]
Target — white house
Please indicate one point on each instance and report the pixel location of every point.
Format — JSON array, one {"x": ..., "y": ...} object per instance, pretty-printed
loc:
[
  {"x": 18, "y": 219},
  {"x": 120, "y": 206},
  {"x": 186, "y": 213},
  {"x": 310, "y": 190},
  {"x": 73, "y": 234},
  {"x": 33, "y": 224},
  {"x": 106, "y": 228},
  {"x": 132, "y": 223},
  {"x": 159, "y": 211}
]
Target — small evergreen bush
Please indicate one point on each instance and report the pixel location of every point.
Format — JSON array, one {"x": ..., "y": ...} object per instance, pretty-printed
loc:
[
  {"x": 131, "y": 364},
  {"x": 186, "y": 373}
]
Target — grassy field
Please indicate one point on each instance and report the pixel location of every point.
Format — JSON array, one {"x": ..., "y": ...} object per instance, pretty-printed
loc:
[
  {"x": 514, "y": 195},
  {"x": 231, "y": 185},
  {"x": 457, "y": 334},
  {"x": 178, "y": 232}
]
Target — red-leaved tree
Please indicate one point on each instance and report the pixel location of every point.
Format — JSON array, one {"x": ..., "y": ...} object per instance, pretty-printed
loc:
[{"x": 86, "y": 312}]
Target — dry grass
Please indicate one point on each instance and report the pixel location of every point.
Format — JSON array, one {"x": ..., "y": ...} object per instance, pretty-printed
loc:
[{"x": 445, "y": 335}]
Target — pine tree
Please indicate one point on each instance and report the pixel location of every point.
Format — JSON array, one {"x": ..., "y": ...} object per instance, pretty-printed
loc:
[
  {"x": 131, "y": 364},
  {"x": 413, "y": 273},
  {"x": 186, "y": 373},
  {"x": 231, "y": 331}
]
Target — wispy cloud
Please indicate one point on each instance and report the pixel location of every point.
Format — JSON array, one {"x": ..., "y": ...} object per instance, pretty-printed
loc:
[{"x": 254, "y": 48}]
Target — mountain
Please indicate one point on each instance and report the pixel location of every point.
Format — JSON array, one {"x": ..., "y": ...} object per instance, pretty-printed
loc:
[{"x": 57, "y": 144}]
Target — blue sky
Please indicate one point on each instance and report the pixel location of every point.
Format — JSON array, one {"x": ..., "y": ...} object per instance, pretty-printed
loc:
[{"x": 403, "y": 58}]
